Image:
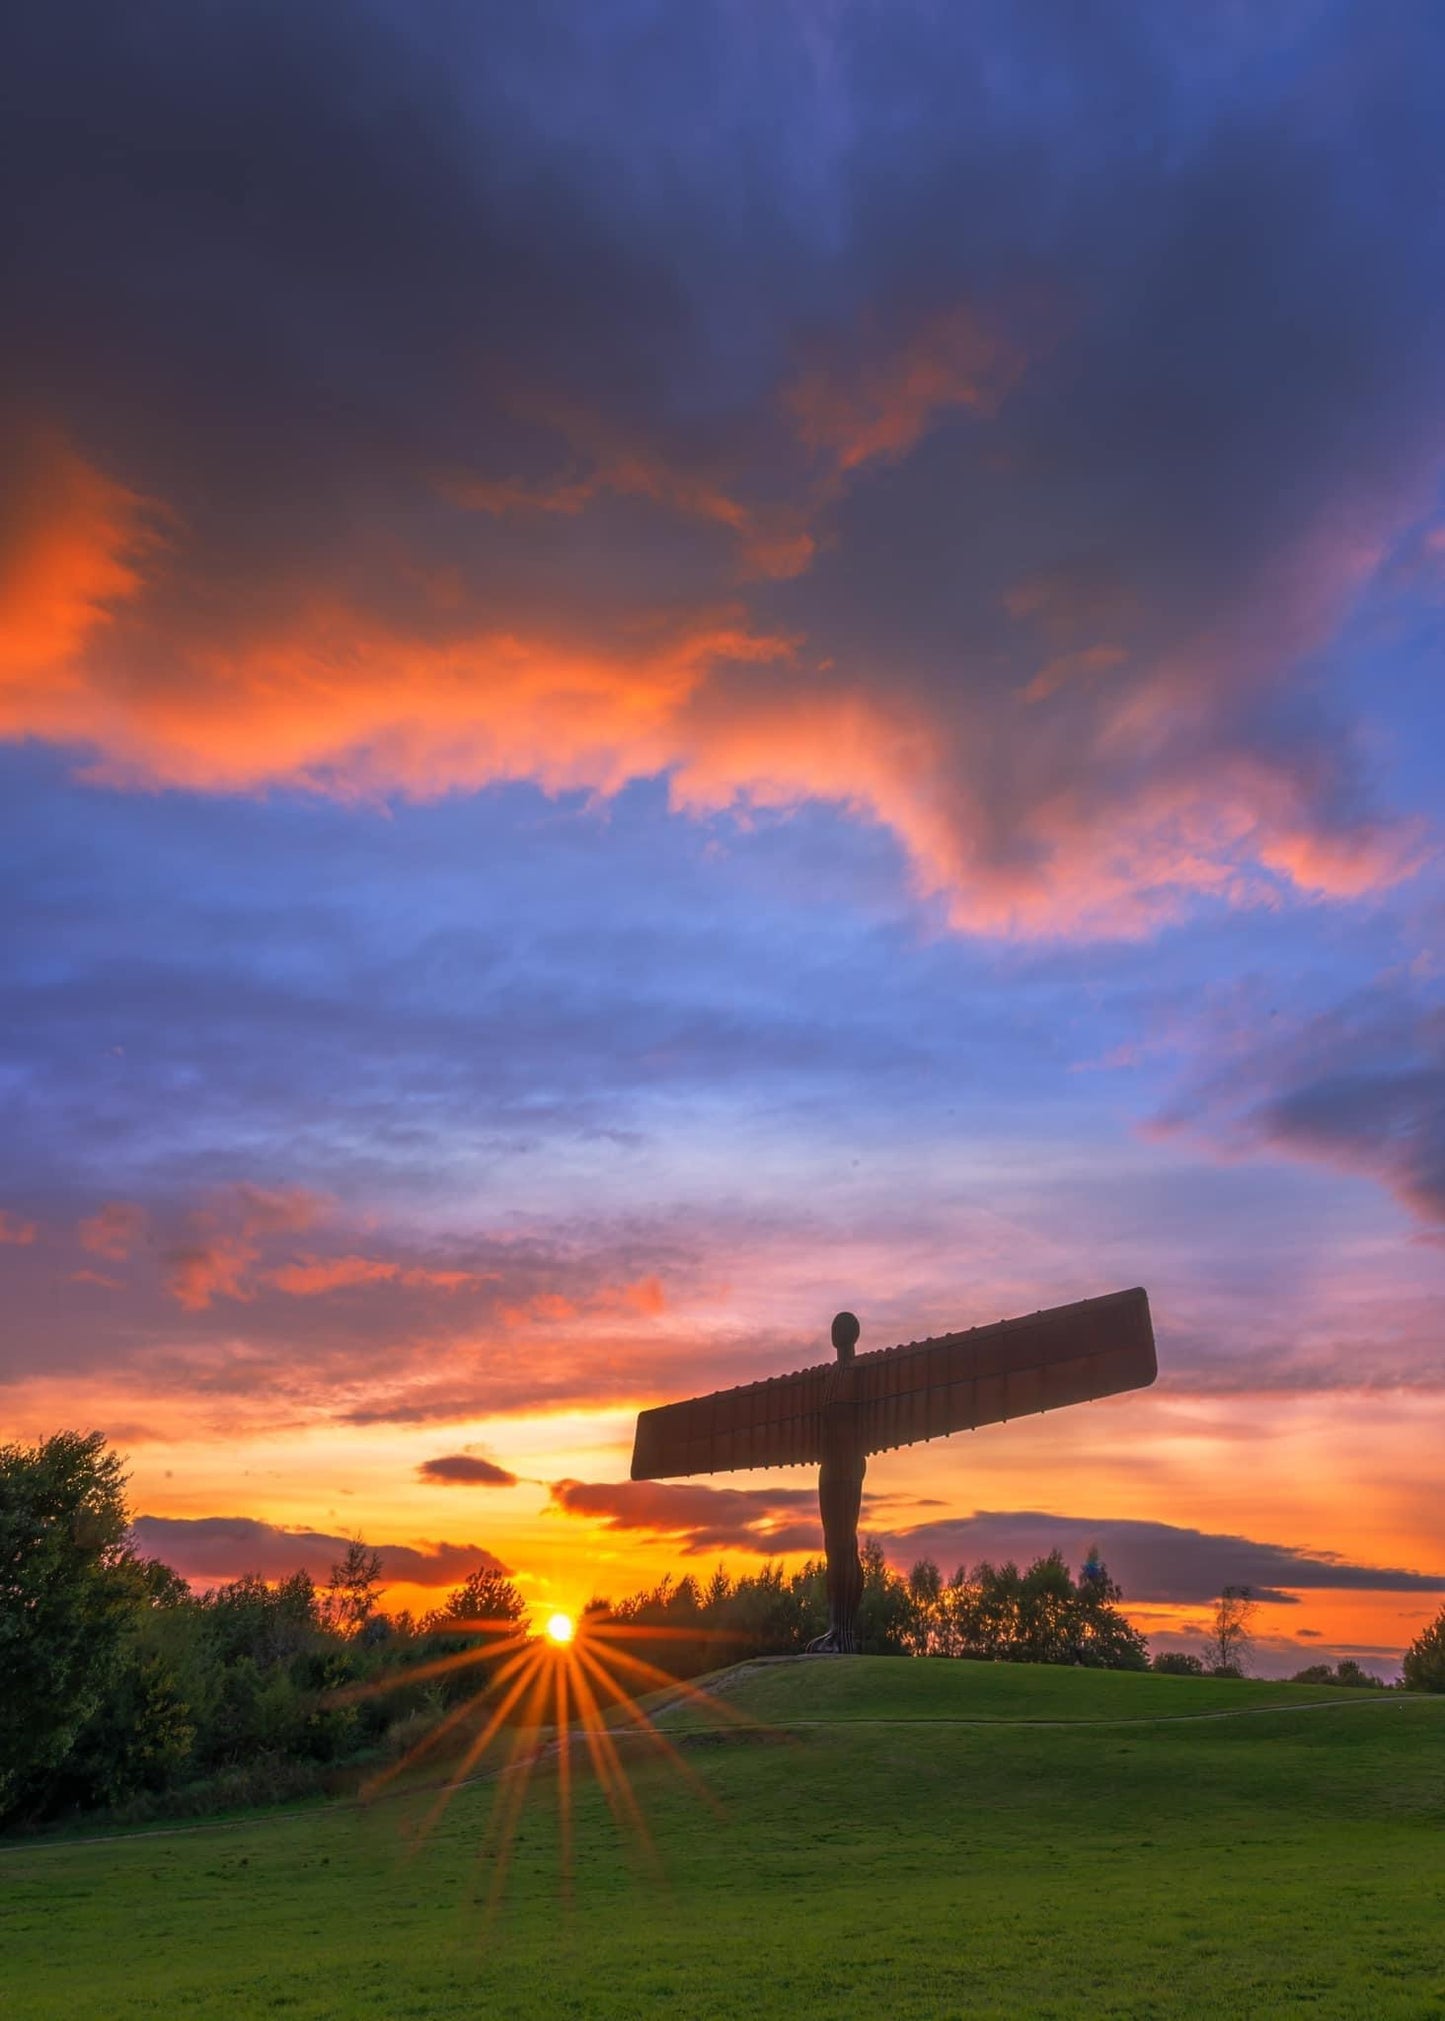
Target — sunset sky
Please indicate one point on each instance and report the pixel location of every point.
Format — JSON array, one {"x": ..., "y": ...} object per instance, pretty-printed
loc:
[{"x": 665, "y": 668}]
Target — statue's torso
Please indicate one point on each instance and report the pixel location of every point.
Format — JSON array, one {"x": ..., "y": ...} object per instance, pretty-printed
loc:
[{"x": 842, "y": 1427}]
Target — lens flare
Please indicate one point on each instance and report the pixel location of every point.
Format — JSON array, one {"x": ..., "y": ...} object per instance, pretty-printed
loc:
[{"x": 564, "y": 1698}]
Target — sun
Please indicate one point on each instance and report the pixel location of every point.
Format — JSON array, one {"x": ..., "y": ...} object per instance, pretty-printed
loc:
[{"x": 560, "y": 1629}]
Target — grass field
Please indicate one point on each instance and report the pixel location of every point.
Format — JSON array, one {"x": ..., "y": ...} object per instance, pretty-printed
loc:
[{"x": 895, "y": 1840}]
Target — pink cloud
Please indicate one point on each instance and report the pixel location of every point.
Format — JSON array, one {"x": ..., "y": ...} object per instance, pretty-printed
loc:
[
  {"x": 19, "y": 1234},
  {"x": 114, "y": 1231}
]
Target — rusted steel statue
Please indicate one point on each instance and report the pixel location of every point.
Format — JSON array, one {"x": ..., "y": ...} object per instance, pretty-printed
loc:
[{"x": 837, "y": 1413}]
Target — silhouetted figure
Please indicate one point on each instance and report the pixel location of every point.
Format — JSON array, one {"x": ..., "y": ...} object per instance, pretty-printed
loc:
[{"x": 840, "y": 1495}]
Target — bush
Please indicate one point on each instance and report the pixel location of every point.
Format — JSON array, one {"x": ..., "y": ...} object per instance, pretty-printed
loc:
[{"x": 1348, "y": 1673}]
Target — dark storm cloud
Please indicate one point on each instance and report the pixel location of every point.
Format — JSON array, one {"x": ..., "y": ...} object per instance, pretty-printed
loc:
[
  {"x": 1151, "y": 1561},
  {"x": 972, "y": 420},
  {"x": 466, "y": 1470},
  {"x": 204, "y": 1548}
]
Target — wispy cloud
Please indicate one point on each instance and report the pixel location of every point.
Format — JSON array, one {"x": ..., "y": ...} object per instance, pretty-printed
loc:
[{"x": 1360, "y": 1087}]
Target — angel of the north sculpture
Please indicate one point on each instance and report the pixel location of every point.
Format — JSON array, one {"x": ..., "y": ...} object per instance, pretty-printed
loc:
[{"x": 837, "y": 1413}]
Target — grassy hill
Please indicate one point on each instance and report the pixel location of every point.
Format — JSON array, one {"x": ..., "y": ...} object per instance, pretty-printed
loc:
[{"x": 892, "y": 1839}]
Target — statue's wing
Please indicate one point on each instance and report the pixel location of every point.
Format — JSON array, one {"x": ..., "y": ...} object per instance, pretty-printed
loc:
[
  {"x": 1010, "y": 1370},
  {"x": 905, "y": 1394},
  {"x": 759, "y": 1424}
]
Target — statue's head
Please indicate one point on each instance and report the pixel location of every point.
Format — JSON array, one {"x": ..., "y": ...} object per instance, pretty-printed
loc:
[{"x": 845, "y": 1335}]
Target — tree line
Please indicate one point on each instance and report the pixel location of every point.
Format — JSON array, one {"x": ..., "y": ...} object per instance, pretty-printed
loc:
[{"x": 122, "y": 1689}]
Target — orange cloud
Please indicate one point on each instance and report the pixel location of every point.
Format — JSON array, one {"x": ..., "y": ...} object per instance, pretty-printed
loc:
[
  {"x": 341, "y": 703},
  {"x": 20, "y": 1234},
  {"x": 114, "y": 1231},
  {"x": 199, "y": 1272},
  {"x": 223, "y": 1242},
  {"x": 314, "y": 1275},
  {"x": 70, "y": 544},
  {"x": 1101, "y": 795},
  {"x": 645, "y": 1295}
]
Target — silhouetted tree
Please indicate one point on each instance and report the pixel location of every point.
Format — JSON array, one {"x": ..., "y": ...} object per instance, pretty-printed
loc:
[
  {"x": 352, "y": 1593},
  {"x": 476, "y": 1620},
  {"x": 1424, "y": 1666},
  {"x": 1229, "y": 1644},
  {"x": 486, "y": 1595}
]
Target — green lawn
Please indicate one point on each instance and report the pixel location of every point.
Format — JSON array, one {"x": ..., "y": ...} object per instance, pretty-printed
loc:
[{"x": 893, "y": 1841}]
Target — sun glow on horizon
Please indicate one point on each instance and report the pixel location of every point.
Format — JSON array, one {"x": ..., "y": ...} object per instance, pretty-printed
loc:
[{"x": 560, "y": 1629}]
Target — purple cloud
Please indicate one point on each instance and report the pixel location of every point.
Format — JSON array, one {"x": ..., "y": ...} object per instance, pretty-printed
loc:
[
  {"x": 206, "y": 1548},
  {"x": 466, "y": 1470},
  {"x": 766, "y": 1520},
  {"x": 1163, "y": 1562},
  {"x": 1360, "y": 1087}
]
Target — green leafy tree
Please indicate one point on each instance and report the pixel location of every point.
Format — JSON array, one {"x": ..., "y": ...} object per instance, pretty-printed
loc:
[
  {"x": 247, "y": 1617},
  {"x": 999, "y": 1614},
  {"x": 1424, "y": 1666},
  {"x": 67, "y": 1591}
]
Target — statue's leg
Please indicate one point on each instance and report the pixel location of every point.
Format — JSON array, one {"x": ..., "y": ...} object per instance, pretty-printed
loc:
[
  {"x": 850, "y": 1569},
  {"x": 840, "y": 1497},
  {"x": 828, "y": 1509}
]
